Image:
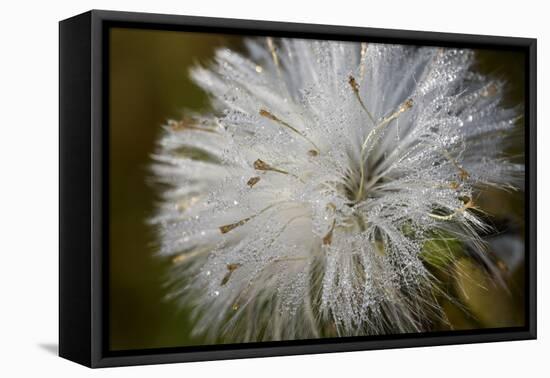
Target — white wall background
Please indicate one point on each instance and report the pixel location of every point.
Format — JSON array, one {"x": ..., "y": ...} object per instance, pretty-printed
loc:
[{"x": 29, "y": 187}]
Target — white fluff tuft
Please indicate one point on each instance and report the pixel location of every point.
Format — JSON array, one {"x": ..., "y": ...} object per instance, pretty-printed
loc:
[{"x": 300, "y": 207}]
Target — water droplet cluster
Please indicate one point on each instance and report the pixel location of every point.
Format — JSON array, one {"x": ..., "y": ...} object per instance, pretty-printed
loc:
[{"x": 299, "y": 207}]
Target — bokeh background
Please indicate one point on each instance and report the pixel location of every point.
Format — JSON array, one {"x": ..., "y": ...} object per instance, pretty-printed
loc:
[{"x": 149, "y": 84}]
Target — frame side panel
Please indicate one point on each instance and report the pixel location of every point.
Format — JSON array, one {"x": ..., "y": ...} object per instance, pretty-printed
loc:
[
  {"x": 531, "y": 146},
  {"x": 75, "y": 189}
]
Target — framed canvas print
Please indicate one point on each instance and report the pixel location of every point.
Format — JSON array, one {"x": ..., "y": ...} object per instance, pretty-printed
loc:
[{"x": 234, "y": 188}]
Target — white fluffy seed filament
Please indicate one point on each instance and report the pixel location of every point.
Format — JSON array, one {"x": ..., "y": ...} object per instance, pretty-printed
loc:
[
  {"x": 386, "y": 121},
  {"x": 355, "y": 87},
  {"x": 188, "y": 124},
  {"x": 261, "y": 165},
  {"x": 462, "y": 173},
  {"x": 327, "y": 239},
  {"x": 363, "y": 62},
  {"x": 468, "y": 205},
  {"x": 274, "y": 56},
  {"x": 267, "y": 114}
]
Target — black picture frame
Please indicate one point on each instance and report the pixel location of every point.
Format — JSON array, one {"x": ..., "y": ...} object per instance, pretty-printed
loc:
[{"x": 84, "y": 188}]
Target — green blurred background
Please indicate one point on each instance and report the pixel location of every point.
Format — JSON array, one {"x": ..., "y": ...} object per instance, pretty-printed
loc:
[{"x": 149, "y": 83}]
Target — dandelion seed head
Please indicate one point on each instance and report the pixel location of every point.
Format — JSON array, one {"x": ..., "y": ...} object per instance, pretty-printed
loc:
[{"x": 303, "y": 201}]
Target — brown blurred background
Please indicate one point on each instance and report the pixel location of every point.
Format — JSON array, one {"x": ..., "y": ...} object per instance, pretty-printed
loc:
[{"x": 149, "y": 83}]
